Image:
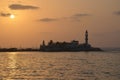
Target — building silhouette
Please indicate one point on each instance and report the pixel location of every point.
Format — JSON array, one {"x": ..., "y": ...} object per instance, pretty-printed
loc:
[
  {"x": 68, "y": 46},
  {"x": 86, "y": 37}
]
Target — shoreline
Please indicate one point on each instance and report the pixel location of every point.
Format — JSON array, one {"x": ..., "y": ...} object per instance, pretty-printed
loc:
[{"x": 51, "y": 51}]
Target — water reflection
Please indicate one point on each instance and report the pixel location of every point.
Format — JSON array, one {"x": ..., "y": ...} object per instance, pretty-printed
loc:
[
  {"x": 12, "y": 60},
  {"x": 59, "y": 66},
  {"x": 12, "y": 65}
]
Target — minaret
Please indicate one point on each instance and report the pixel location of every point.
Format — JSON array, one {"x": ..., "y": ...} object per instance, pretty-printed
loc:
[
  {"x": 86, "y": 37},
  {"x": 43, "y": 43}
]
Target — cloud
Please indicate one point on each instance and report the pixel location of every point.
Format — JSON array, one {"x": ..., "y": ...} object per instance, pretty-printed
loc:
[
  {"x": 78, "y": 16},
  {"x": 5, "y": 14},
  {"x": 22, "y": 7},
  {"x": 48, "y": 19},
  {"x": 75, "y": 17},
  {"x": 117, "y": 13}
]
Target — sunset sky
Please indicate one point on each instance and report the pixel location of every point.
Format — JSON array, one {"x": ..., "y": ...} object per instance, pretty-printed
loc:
[{"x": 26, "y": 23}]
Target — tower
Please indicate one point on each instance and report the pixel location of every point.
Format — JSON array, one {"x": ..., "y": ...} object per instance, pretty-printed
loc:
[
  {"x": 86, "y": 37},
  {"x": 43, "y": 43}
]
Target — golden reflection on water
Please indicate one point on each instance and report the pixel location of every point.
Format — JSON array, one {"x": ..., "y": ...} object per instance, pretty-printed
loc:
[
  {"x": 59, "y": 66},
  {"x": 12, "y": 65},
  {"x": 12, "y": 60}
]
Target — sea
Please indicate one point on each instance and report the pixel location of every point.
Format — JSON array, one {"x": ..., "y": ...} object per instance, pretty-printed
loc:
[{"x": 60, "y": 65}]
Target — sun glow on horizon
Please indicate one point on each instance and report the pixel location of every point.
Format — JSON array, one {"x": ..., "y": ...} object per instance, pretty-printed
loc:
[{"x": 12, "y": 16}]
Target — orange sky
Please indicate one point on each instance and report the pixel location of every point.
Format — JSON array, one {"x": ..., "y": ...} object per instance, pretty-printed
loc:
[{"x": 59, "y": 20}]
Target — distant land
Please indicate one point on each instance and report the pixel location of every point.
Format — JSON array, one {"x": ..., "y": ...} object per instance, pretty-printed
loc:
[{"x": 72, "y": 46}]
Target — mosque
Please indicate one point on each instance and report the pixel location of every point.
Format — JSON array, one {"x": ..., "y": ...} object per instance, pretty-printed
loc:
[{"x": 68, "y": 46}]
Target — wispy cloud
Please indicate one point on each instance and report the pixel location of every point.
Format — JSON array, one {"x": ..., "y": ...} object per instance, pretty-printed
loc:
[
  {"x": 22, "y": 7},
  {"x": 78, "y": 16},
  {"x": 5, "y": 14},
  {"x": 75, "y": 17},
  {"x": 117, "y": 13},
  {"x": 47, "y": 19}
]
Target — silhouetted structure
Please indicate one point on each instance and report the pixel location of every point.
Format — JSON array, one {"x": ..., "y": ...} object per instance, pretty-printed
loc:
[
  {"x": 17, "y": 50},
  {"x": 68, "y": 46},
  {"x": 86, "y": 37}
]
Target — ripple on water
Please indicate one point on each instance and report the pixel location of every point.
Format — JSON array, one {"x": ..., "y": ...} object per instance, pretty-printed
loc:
[{"x": 59, "y": 66}]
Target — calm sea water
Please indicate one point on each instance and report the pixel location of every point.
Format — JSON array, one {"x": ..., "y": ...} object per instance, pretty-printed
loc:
[{"x": 60, "y": 66}]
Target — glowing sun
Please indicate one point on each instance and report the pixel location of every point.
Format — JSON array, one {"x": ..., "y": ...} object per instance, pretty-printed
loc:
[{"x": 12, "y": 16}]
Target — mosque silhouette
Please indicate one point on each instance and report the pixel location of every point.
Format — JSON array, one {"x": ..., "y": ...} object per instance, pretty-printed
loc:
[{"x": 68, "y": 46}]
